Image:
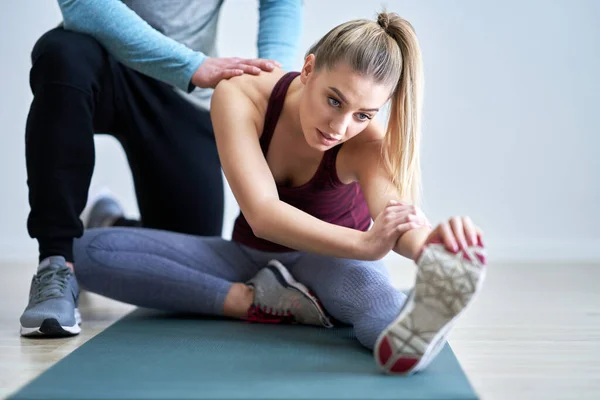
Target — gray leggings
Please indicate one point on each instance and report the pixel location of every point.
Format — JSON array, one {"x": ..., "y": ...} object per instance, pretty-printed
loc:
[{"x": 184, "y": 273}]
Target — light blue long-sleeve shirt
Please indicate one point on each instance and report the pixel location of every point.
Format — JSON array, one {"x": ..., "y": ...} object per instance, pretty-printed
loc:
[{"x": 169, "y": 40}]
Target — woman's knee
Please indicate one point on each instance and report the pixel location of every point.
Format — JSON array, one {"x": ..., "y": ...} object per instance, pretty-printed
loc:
[
  {"x": 87, "y": 253},
  {"x": 336, "y": 276},
  {"x": 62, "y": 56},
  {"x": 362, "y": 276},
  {"x": 364, "y": 285}
]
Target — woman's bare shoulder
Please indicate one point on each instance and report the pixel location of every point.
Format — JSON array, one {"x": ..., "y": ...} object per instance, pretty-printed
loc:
[
  {"x": 256, "y": 88},
  {"x": 368, "y": 141},
  {"x": 362, "y": 150}
]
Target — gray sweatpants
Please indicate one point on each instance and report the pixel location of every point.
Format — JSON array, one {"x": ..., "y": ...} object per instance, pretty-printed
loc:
[{"x": 185, "y": 273}]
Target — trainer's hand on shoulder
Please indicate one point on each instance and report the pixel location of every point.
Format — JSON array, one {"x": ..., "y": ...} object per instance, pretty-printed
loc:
[
  {"x": 395, "y": 219},
  {"x": 213, "y": 70}
]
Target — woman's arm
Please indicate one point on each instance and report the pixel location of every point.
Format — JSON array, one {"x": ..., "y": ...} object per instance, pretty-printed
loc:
[
  {"x": 237, "y": 123},
  {"x": 457, "y": 234},
  {"x": 411, "y": 243},
  {"x": 378, "y": 189}
]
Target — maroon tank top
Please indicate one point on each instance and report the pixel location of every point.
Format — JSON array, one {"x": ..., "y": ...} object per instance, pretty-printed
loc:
[{"x": 323, "y": 196}]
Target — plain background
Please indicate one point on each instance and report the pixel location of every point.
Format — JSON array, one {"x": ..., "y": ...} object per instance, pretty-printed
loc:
[{"x": 511, "y": 118}]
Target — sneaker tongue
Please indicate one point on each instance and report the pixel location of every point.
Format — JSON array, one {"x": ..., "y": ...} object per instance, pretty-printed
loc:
[{"x": 60, "y": 260}]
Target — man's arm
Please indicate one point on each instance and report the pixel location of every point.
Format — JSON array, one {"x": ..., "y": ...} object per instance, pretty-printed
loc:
[
  {"x": 136, "y": 44},
  {"x": 132, "y": 40},
  {"x": 279, "y": 31}
]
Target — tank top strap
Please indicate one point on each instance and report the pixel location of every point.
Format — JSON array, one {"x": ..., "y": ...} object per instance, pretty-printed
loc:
[{"x": 274, "y": 108}]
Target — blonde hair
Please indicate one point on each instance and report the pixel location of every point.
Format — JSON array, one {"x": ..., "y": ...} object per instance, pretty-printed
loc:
[{"x": 386, "y": 50}]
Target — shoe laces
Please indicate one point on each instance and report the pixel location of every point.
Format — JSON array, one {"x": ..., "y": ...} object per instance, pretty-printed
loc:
[
  {"x": 51, "y": 282},
  {"x": 265, "y": 314}
]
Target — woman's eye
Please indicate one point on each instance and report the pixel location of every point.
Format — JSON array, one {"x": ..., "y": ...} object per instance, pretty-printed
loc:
[
  {"x": 333, "y": 102},
  {"x": 363, "y": 117}
]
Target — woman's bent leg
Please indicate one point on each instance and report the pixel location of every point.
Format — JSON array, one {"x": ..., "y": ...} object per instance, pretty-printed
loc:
[{"x": 159, "y": 269}]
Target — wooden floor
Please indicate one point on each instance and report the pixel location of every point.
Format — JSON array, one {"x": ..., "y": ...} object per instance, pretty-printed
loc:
[{"x": 533, "y": 332}]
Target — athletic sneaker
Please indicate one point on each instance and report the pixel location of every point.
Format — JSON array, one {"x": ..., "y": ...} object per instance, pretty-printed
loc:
[
  {"x": 104, "y": 212},
  {"x": 446, "y": 284},
  {"x": 278, "y": 298},
  {"x": 52, "y": 309}
]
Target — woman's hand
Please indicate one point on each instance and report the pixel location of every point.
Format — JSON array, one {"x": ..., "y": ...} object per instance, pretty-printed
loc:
[
  {"x": 395, "y": 219},
  {"x": 457, "y": 234}
]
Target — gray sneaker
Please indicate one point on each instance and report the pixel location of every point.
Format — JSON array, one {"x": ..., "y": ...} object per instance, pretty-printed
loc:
[
  {"x": 278, "y": 298},
  {"x": 52, "y": 309},
  {"x": 104, "y": 212}
]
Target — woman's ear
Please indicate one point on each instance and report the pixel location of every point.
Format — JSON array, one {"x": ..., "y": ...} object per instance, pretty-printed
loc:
[{"x": 308, "y": 68}]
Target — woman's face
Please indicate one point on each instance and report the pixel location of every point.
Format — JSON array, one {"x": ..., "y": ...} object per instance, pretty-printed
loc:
[{"x": 337, "y": 104}]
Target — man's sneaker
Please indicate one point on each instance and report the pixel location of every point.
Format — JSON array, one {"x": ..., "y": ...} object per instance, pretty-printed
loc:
[
  {"x": 52, "y": 309},
  {"x": 445, "y": 285},
  {"x": 278, "y": 298},
  {"x": 104, "y": 212}
]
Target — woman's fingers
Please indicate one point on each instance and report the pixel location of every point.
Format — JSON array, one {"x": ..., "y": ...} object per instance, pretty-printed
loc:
[
  {"x": 407, "y": 226},
  {"x": 458, "y": 232},
  {"x": 448, "y": 237},
  {"x": 394, "y": 213},
  {"x": 400, "y": 217},
  {"x": 396, "y": 209},
  {"x": 479, "y": 237},
  {"x": 470, "y": 231},
  {"x": 403, "y": 218}
]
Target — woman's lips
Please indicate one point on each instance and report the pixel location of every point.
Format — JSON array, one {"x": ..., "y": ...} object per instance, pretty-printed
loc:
[{"x": 327, "y": 139}]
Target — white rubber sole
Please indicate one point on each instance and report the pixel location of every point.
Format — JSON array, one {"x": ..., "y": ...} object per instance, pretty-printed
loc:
[
  {"x": 51, "y": 327},
  {"x": 302, "y": 288},
  {"x": 445, "y": 286}
]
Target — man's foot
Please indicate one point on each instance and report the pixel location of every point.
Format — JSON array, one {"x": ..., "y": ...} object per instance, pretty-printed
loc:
[
  {"x": 278, "y": 298},
  {"x": 104, "y": 212},
  {"x": 445, "y": 285},
  {"x": 52, "y": 309}
]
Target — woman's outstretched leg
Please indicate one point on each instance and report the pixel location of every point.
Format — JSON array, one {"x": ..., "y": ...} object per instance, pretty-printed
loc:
[
  {"x": 405, "y": 334},
  {"x": 358, "y": 293},
  {"x": 445, "y": 285}
]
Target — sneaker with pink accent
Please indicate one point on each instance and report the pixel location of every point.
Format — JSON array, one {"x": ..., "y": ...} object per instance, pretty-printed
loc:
[
  {"x": 446, "y": 284},
  {"x": 279, "y": 298}
]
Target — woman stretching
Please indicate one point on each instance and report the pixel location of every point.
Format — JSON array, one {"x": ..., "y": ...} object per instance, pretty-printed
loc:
[{"x": 311, "y": 169}]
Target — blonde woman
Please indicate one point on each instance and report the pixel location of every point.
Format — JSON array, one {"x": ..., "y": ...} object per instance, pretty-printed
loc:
[{"x": 311, "y": 169}]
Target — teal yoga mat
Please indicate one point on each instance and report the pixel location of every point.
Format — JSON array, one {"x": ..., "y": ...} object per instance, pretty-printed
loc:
[{"x": 155, "y": 355}]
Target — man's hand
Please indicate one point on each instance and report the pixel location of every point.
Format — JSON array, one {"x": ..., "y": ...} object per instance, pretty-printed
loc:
[{"x": 213, "y": 70}]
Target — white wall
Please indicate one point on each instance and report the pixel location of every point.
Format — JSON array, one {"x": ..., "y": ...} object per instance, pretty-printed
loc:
[{"x": 511, "y": 123}]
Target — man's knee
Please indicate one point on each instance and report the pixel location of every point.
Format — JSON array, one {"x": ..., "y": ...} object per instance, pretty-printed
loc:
[{"x": 61, "y": 56}]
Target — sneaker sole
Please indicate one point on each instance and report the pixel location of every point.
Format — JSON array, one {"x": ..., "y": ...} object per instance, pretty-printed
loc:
[
  {"x": 281, "y": 271},
  {"x": 402, "y": 348},
  {"x": 51, "y": 328}
]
